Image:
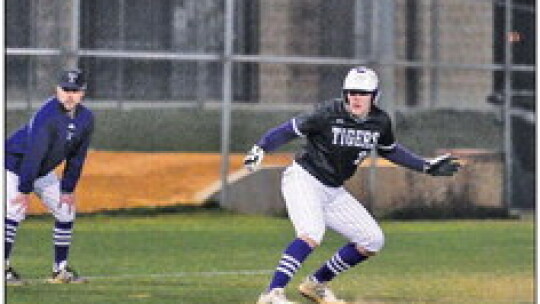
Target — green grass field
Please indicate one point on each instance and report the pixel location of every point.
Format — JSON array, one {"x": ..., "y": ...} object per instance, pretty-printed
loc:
[{"x": 216, "y": 257}]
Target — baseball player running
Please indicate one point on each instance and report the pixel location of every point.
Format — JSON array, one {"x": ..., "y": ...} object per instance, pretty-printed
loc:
[
  {"x": 339, "y": 135},
  {"x": 59, "y": 131}
]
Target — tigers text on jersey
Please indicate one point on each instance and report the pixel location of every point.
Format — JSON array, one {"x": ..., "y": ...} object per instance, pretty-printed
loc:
[
  {"x": 50, "y": 137},
  {"x": 337, "y": 142}
]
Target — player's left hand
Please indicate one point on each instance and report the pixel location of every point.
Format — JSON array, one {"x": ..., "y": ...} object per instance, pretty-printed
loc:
[
  {"x": 69, "y": 200},
  {"x": 444, "y": 165}
]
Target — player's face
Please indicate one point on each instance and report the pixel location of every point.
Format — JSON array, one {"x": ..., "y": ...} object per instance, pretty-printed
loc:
[
  {"x": 359, "y": 102},
  {"x": 69, "y": 98}
]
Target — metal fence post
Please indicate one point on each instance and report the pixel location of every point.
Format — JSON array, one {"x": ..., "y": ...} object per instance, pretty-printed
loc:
[
  {"x": 434, "y": 56},
  {"x": 508, "y": 155},
  {"x": 227, "y": 99},
  {"x": 384, "y": 47},
  {"x": 72, "y": 59}
]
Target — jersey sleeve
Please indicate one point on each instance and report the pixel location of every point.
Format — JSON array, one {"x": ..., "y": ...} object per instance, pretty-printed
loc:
[
  {"x": 277, "y": 137},
  {"x": 37, "y": 140},
  {"x": 403, "y": 157},
  {"x": 308, "y": 123},
  {"x": 75, "y": 162},
  {"x": 387, "y": 141}
]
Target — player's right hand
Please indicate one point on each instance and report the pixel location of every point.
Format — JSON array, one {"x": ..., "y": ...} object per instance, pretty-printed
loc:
[
  {"x": 253, "y": 159},
  {"x": 23, "y": 200}
]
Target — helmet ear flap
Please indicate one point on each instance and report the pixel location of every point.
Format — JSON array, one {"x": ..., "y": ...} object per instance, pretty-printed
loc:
[{"x": 376, "y": 95}]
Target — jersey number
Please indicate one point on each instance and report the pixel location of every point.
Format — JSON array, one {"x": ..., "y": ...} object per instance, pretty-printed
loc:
[{"x": 361, "y": 156}]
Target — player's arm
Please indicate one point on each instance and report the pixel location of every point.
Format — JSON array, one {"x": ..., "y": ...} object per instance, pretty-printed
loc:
[
  {"x": 299, "y": 126},
  {"x": 270, "y": 141},
  {"x": 400, "y": 155},
  {"x": 444, "y": 165},
  {"x": 278, "y": 136},
  {"x": 75, "y": 162},
  {"x": 396, "y": 153},
  {"x": 38, "y": 137}
]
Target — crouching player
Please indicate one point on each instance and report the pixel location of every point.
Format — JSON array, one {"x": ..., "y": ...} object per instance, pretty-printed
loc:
[
  {"x": 339, "y": 135},
  {"x": 58, "y": 132}
]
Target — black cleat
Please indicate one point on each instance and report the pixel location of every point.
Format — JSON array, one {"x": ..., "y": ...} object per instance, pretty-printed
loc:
[{"x": 13, "y": 278}]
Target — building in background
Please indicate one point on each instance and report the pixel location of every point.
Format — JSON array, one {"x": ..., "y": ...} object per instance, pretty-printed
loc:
[
  {"x": 129, "y": 48},
  {"x": 286, "y": 54}
]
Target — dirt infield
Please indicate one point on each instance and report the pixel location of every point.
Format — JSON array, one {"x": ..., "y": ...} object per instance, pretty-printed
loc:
[{"x": 113, "y": 180}]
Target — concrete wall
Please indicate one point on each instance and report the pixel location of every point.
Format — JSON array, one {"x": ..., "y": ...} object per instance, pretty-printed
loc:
[
  {"x": 257, "y": 193},
  {"x": 479, "y": 182}
]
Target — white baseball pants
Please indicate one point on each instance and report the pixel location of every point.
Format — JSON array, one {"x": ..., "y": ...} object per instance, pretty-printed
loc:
[
  {"x": 47, "y": 188},
  {"x": 313, "y": 206}
]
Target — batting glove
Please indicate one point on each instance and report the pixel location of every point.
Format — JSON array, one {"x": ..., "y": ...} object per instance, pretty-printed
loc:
[
  {"x": 254, "y": 158},
  {"x": 444, "y": 165}
]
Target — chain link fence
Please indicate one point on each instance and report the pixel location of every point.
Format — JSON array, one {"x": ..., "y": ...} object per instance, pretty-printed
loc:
[{"x": 255, "y": 62}]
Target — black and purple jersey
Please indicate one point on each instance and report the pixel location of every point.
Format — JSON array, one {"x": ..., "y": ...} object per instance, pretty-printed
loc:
[
  {"x": 337, "y": 142},
  {"x": 49, "y": 138}
]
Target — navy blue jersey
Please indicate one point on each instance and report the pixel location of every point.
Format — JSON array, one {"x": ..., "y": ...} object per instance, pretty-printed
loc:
[
  {"x": 50, "y": 137},
  {"x": 337, "y": 141}
]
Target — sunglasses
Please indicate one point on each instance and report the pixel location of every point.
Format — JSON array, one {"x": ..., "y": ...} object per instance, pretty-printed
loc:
[
  {"x": 71, "y": 90},
  {"x": 359, "y": 93}
]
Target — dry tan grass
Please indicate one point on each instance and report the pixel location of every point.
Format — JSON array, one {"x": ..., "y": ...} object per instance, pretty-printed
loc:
[{"x": 113, "y": 180}]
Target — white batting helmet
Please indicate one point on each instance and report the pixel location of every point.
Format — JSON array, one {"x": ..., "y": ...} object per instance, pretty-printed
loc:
[{"x": 362, "y": 79}]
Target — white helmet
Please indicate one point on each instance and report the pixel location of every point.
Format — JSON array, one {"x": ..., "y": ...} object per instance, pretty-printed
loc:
[{"x": 362, "y": 79}]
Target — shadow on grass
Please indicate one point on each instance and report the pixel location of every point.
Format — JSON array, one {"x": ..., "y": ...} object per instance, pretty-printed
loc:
[{"x": 210, "y": 207}]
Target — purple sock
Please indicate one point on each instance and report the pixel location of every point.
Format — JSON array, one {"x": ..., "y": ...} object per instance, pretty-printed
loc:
[
  {"x": 62, "y": 241},
  {"x": 290, "y": 262},
  {"x": 10, "y": 231},
  {"x": 344, "y": 259}
]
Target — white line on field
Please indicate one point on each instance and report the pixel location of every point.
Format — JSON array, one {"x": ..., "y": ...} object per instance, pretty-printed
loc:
[{"x": 173, "y": 275}]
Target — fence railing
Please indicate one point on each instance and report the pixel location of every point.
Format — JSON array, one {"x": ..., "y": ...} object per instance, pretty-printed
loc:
[{"x": 454, "y": 54}]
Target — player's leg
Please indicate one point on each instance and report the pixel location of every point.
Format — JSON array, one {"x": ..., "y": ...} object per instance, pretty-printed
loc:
[
  {"x": 15, "y": 214},
  {"x": 348, "y": 217},
  {"x": 48, "y": 189},
  {"x": 302, "y": 196},
  {"x": 351, "y": 219}
]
